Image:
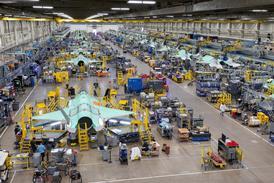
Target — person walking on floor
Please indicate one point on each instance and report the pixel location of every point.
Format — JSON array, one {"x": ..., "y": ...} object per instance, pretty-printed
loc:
[
  {"x": 42, "y": 150},
  {"x": 222, "y": 109}
]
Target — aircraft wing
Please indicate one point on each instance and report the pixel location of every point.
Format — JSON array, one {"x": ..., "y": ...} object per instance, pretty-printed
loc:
[
  {"x": 230, "y": 62},
  {"x": 107, "y": 113},
  {"x": 52, "y": 116},
  {"x": 212, "y": 61},
  {"x": 183, "y": 54}
]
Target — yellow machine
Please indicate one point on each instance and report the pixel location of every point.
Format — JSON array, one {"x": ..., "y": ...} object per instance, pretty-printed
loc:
[
  {"x": 177, "y": 77},
  {"x": 151, "y": 63},
  {"x": 208, "y": 160},
  {"x": 93, "y": 56},
  {"x": 111, "y": 100},
  {"x": 61, "y": 77},
  {"x": 264, "y": 122},
  {"x": 135, "y": 53},
  {"x": 123, "y": 104},
  {"x": 233, "y": 47},
  {"x": 223, "y": 98},
  {"x": 147, "y": 59},
  {"x": 188, "y": 75},
  {"x": 40, "y": 108}
]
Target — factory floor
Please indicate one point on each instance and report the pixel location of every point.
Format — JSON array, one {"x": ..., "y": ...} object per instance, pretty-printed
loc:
[{"x": 183, "y": 163}]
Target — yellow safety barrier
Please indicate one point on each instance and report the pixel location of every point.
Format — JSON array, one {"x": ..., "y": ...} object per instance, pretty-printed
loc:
[{"x": 21, "y": 159}]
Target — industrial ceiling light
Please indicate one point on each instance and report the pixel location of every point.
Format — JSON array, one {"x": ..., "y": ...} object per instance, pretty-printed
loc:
[
  {"x": 64, "y": 15},
  {"x": 141, "y": 2},
  {"x": 60, "y": 14},
  {"x": 42, "y": 7},
  {"x": 120, "y": 9},
  {"x": 97, "y": 15},
  {"x": 169, "y": 16},
  {"x": 259, "y": 11},
  {"x": 17, "y": 1}
]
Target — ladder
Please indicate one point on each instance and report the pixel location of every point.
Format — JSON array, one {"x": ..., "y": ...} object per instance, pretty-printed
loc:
[
  {"x": 83, "y": 138},
  {"x": 146, "y": 136},
  {"x": 25, "y": 120},
  {"x": 120, "y": 78},
  {"x": 25, "y": 146}
]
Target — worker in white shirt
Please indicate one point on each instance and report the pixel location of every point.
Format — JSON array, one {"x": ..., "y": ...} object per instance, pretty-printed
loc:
[{"x": 222, "y": 109}]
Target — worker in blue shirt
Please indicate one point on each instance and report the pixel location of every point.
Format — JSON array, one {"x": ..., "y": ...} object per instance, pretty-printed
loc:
[{"x": 42, "y": 150}]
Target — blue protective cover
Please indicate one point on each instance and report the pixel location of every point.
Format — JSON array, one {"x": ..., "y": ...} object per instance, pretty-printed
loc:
[{"x": 135, "y": 85}]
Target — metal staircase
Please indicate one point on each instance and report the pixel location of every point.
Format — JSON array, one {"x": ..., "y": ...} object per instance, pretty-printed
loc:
[
  {"x": 83, "y": 138},
  {"x": 25, "y": 146}
]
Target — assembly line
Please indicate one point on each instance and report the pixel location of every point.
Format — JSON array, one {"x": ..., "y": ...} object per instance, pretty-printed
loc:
[{"x": 98, "y": 104}]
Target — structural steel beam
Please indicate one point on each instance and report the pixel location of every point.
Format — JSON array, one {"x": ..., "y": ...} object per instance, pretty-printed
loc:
[{"x": 203, "y": 7}]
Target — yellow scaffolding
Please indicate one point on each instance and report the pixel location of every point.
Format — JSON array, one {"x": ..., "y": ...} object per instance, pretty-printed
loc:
[
  {"x": 25, "y": 124},
  {"x": 142, "y": 112}
]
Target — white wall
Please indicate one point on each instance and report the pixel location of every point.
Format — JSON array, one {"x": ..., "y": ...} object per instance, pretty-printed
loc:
[
  {"x": 91, "y": 27},
  {"x": 15, "y": 33},
  {"x": 240, "y": 30}
]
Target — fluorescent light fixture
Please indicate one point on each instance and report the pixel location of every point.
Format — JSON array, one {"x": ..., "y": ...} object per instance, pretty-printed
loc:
[
  {"x": 97, "y": 15},
  {"x": 60, "y": 14},
  {"x": 16, "y": 1},
  {"x": 42, "y": 7},
  {"x": 169, "y": 16},
  {"x": 64, "y": 15},
  {"x": 146, "y": 17},
  {"x": 120, "y": 9},
  {"x": 8, "y": 15},
  {"x": 141, "y": 2},
  {"x": 259, "y": 11},
  {"x": 149, "y": 2},
  {"x": 154, "y": 17}
]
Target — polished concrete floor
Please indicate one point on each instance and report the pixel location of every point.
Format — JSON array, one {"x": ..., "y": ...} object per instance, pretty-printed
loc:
[{"x": 183, "y": 164}]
